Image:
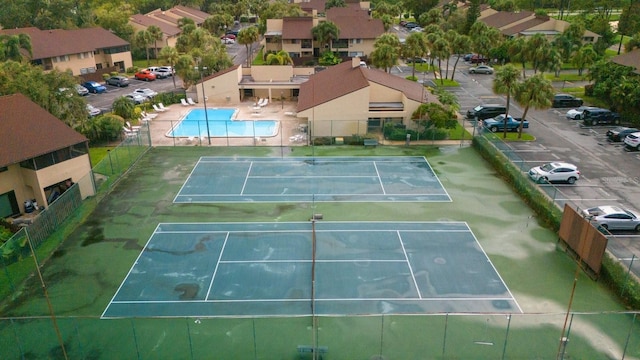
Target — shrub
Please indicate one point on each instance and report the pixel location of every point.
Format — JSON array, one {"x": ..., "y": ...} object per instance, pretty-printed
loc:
[
  {"x": 412, "y": 78},
  {"x": 588, "y": 90}
]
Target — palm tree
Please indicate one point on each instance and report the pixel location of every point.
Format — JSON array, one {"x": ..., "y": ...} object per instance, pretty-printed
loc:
[
  {"x": 143, "y": 40},
  {"x": 462, "y": 44},
  {"x": 506, "y": 79},
  {"x": 247, "y": 37},
  {"x": 584, "y": 58},
  {"x": 170, "y": 55},
  {"x": 11, "y": 46},
  {"x": 516, "y": 51},
  {"x": 155, "y": 34},
  {"x": 415, "y": 46},
  {"x": 325, "y": 32},
  {"x": 440, "y": 50},
  {"x": 536, "y": 92},
  {"x": 124, "y": 107},
  {"x": 537, "y": 50},
  {"x": 386, "y": 51},
  {"x": 280, "y": 58}
]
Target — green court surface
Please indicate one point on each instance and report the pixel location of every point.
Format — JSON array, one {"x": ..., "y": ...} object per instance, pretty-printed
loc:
[
  {"x": 265, "y": 269},
  {"x": 353, "y": 179}
]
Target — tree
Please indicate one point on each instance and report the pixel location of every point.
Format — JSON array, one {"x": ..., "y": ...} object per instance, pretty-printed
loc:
[
  {"x": 415, "y": 45},
  {"x": 114, "y": 16},
  {"x": 124, "y": 107},
  {"x": 418, "y": 7},
  {"x": 537, "y": 50},
  {"x": 431, "y": 17},
  {"x": 473, "y": 13},
  {"x": 155, "y": 34},
  {"x": 633, "y": 43},
  {"x": 434, "y": 115},
  {"x": 534, "y": 92},
  {"x": 11, "y": 47},
  {"x": 516, "y": 51},
  {"x": 584, "y": 58},
  {"x": 143, "y": 40},
  {"x": 280, "y": 58},
  {"x": 462, "y": 44},
  {"x": 504, "y": 83},
  {"x": 324, "y": 33},
  {"x": 216, "y": 23},
  {"x": 170, "y": 55},
  {"x": 386, "y": 51},
  {"x": 247, "y": 37},
  {"x": 334, "y": 3},
  {"x": 329, "y": 58},
  {"x": 629, "y": 23},
  {"x": 440, "y": 50}
]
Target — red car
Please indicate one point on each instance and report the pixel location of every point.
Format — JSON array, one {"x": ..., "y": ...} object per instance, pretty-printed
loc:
[
  {"x": 228, "y": 36},
  {"x": 477, "y": 59},
  {"x": 145, "y": 75}
]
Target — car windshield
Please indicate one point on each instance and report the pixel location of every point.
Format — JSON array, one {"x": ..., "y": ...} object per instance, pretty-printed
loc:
[
  {"x": 547, "y": 167},
  {"x": 477, "y": 108}
]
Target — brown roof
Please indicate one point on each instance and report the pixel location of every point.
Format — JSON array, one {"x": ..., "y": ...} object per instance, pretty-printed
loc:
[
  {"x": 219, "y": 73},
  {"x": 297, "y": 27},
  {"x": 410, "y": 89},
  {"x": 350, "y": 11},
  {"x": 357, "y": 27},
  {"x": 50, "y": 43},
  {"x": 308, "y": 6},
  {"x": 330, "y": 84},
  {"x": 189, "y": 12},
  {"x": 524, "y": 26},
  {"x": 503, "y": 18},
  {"x": 632, "y": 59},
  {"x": 344, "y": 78},
  {"x": 146, "y": 21},
  {"x": 29, "y": 131}
]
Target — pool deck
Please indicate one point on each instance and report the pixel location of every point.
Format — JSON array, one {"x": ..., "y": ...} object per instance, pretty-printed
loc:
[{"x": 288, "y": 134}]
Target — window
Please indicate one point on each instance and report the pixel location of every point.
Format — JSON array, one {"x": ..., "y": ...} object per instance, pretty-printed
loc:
[
  {"x": 356, "y": 41},
  {"x": 55, "y": 157}
]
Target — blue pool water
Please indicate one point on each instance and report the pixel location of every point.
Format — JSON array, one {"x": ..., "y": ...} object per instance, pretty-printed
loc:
[{"x": 221, "y": 125}]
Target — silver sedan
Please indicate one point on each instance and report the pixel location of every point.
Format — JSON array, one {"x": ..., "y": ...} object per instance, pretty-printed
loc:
[
  {"x": 613, "y": 218},
  {"x": 481, "y": 69}
]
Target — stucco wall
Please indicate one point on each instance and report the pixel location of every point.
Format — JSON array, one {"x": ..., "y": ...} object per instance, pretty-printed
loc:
[{"x": 221, "y": 89}]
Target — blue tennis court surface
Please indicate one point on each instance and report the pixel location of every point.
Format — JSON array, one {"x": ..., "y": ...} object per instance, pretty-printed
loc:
[
  {"x": 352, "y": 179},
  {"x": 265, "y": 269}
]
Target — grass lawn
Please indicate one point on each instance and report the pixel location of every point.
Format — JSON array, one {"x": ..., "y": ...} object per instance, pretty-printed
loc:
[{"x": 98, "y": 153}]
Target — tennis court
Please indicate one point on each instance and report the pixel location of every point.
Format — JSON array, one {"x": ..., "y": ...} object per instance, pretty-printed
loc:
[
  {"x": 311, "y": 268},
  {"x": 333, "y": 179}
]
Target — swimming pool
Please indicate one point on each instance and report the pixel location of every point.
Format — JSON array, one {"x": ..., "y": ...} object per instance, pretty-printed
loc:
[{"x": 193, "y": 124}]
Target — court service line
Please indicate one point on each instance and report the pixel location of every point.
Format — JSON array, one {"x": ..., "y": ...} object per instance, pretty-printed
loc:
[
  {"x": 308, "y": 261},
  {"x": 246, "y": 178},
  {"x": 306, "y": 231},
  {"x": 413, "y": 277},
  {"x": 379, "y": 178},
  {"x": 213, "y": 276},
  {"x": 320, "y": 300}
]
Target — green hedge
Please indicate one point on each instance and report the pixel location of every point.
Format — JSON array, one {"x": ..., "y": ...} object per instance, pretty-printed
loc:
[{"x": 613, "y": 274}]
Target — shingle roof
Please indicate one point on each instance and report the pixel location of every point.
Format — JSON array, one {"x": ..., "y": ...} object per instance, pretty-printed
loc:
[
  {"x": 503, "y": 18},
  {"x": 50, "y": 43},
  {"x": 310, "y": 5},
  {"x": 297, "y": 28},
  {"x": 330, "y": 84},
  {"x": 29, "y": 131},
  {"x": 146, "y": 21},
  {"x": 356, "y": 27},
  {"x": 632, "y": 59},
  {"x": 219, "y": 73},
  {"x": 344, "y": 78},
  {"x": 189, "y": 12},
  {"x": 524, "y": 26}
]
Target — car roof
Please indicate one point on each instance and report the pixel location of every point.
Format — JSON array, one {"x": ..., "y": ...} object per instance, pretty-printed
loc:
[
  {"x": 610, "y": 209},
  {"x": 558, "y": 164}
]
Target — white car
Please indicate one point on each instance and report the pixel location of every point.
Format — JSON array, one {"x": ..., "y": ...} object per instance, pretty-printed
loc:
[
  {"x": 146, "y": 92},
  {"x": 167, "y": 69},
  {"x": 555, "y": 172},
  {"x": 613, "y": 218},
  {"x": 633, "y": 141},
  {"x": 93, "y": 111},
  {"x": 576, "y": 114},
  {"x": 228, "y": 41},
  {"x": 136, "y": 98}
]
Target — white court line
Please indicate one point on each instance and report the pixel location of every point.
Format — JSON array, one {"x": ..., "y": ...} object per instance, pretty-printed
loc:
[
  {"x": 312, "y": 177},
  {"x": 308, "y": 261},
  {"x": 246, "y": 178},
  {"x": 379, "y": 178},
  {"x": 187, "y": 181},
  {"x": 303, "y": 231},
  {"x": 413, "y": 277},
  {"x": 213, "y": 276},
  {"x": 309, "y": 299}
]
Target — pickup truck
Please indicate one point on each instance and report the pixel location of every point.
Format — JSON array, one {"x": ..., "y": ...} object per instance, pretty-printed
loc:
[{"x": 497, "y": 123}]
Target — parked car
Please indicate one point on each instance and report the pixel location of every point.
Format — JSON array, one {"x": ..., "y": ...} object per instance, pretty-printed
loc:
[
  {"x": 228, "y": 41},
  {"x": 498, "y": 123},
  {"x": 94, "y": 87},
  {"x": 633, "y": 141},
  {"x": 145, "y": 75},
  {"x": 232, "y": 32},
  {"x": 403, "y": 22},
  {"x": 167, "y": 69},
  {"x": 566, "y": 100},
  {"x": 93, "y": 111},
  {"x": 417, "y": 60},
  {"x": 120, "y": 81},
  {"x": 81, "y": 90},
  {"x": 467, "y": 57},
  {"x": 477, "y": 59},
  {"x": 228, "y": 36},
  {"x": 576, "y": 114},
  {"x": 136, "y": 98},
  {"x": 486, "y": 111},
  {"x": 155, "y": 70},
  {"x": 145, "y": 92},
  {"x": 618, "y": 134},
  {"x": 410, "y": 25},
  {"x": 417, "y": 29},
  {"x": 481, "y": 69},
  {"x": 613, "y": 217},
  {"x": 599, "y": 116},
  {"x": 555, "y": 172}
]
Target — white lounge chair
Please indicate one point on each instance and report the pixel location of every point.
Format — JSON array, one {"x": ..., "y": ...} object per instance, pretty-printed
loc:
[
  {"x": 149, "y": 116},
  {"x": 190, "y": 101},
  {"x": 161, "y": 106},
  {"x": 266, "y": 101},
  {"x": 129, "y": 133},
  {"x": 133, "y": 128},
  {"x": 158, "y": 109},
  {"x": 259, "y": 103},
  {"x": 184, "y": 102}
]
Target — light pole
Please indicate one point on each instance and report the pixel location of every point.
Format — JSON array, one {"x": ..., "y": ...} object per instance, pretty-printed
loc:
[
  {"x": 281, "y": 99},
  {"x": 204, "y": 102}
]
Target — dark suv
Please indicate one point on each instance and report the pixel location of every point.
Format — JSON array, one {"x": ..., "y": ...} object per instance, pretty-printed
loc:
[
  {"x": 566, "y": 100},
  {"x": 600, "y": 116},
  {"x": 486, "y": 111}
]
